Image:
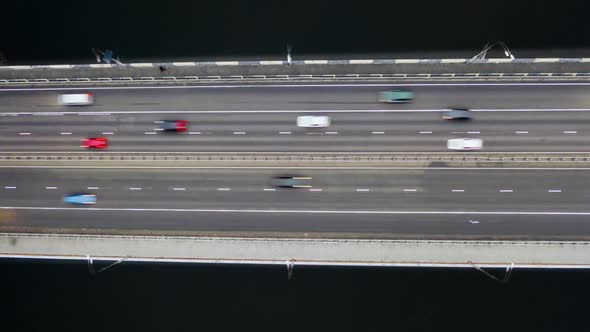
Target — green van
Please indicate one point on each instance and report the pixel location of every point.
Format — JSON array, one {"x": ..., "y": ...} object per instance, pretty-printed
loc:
[{"x": 396, "y": 96}]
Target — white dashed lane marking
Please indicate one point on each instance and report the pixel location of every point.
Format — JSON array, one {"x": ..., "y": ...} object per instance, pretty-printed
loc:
[
  {"x": 92, "y": 188},
  {"x": 570, "y": 132},
  {"x": 521, "y": 132},
  {"x": 474, "y": 132},
  {"x": 284, "y": 133},
  {"x": 458, "y": 190},
  {"x": 409, "y": 190},
  {"x": 239, "y": 133},
  {"x": 150, "y": 133},
  {"x": 363, "y": 189},
  {"x": 194, "y": 133},
  {"x": 331, "y": 132},
  {"x": 224, "y": 189},
  {"x": 179, "y": 189},
  {"x": 506, "y": 190},
  {"x": 65, "y": 133},
  {"x": 134, "y": 188},
  {"x": 108, "y": 133},
  {"x": 315, "y": 189},
  {"x": 554, "y": 190},
  {"x": 50, "y": 187},
  {"x": 269, "y": 189},
  {"x": 9, "y": 187},
  {"x": 425, "y": 132},
  {"x": 24, "y": 134}
]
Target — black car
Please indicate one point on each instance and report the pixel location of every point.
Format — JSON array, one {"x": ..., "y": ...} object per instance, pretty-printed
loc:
[
  {"x": 456, "y": 114},
  {"x": 292, "y": 181}
]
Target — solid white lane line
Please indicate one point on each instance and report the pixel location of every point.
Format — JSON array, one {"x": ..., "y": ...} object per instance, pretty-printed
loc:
[
  {"x": 506, "y": 190},
  {"x": 284, "y": 133},
  {"x": 331, "y": 132},
  {"x": 315, "y": 189},
  {"x": 363, "y": 189},
  {"x": 24, "y": 134},
  {"x": 216, "y": 86},
  {"x": 474, "y": 132},
  {"x": 377, "y": 132},
  {"x": 179, "y": 189},
  {"x": 454, "y": 169},
  {"x": 108, "y": 133},
  {"x": 239, "y": 133},
  {"x": 9, "y": 187},
  {"x": 150, "y": 133},
  {"x": 224, "y": 189},
  {"x": 134, "y": 188},
  {"x": 269, "y": 189},
  {"x": 50, "y": 187},
  {"x": 194, "y": 133},
  {"x": 409, "y": 190},
  {"x": 570, "y": 132},
  {"x": 65, "y": 133},
  {"x": 92, "y": 188},
  {"x": 398, "y": 212},
  {"x": 457, "y": 190},
  {"x": 521, "y": 132},
  {"x": 425, "y": 132},
  {"x": 300, "y": 111},
  {"x": 554, "y": 190}
]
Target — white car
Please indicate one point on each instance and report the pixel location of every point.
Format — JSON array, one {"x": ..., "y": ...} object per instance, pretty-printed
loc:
[
  {"x": 76, "y": 99},
  {"x": 465, "y": 144},
  {"x": 313, "y": 121}
]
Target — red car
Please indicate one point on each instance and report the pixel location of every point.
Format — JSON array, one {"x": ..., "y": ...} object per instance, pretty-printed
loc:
[
  {"x": 173, "y": 125},
  {"x": 94, "y": 143}
]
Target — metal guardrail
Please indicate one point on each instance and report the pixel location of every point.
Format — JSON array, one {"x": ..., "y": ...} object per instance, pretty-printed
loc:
[
  {"x": 301, "y": 62},
  {"x": 188, "y": 79},
  {"x": 300, "y": 157}
]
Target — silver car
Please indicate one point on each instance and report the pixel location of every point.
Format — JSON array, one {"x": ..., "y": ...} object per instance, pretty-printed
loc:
[{"x": 465, "y": 144}]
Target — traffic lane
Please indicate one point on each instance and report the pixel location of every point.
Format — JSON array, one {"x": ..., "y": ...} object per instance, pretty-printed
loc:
[
  {"x": 475, "y": 195},
  {"x": 466, "y": 226},
  {"x": 409, "y": 121},
  {"x": 377, "y": 190},
  {"x": 304, "y": 97},
  {"x": 328, "y": 141}
]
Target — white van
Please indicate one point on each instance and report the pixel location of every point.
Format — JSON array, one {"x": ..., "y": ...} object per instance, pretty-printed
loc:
[
  {"x": 313, "y": 121},
  {"x": 76, "y": 99}
]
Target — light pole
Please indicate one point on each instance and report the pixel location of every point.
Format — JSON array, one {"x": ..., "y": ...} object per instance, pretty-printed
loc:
[{"x": 289, "y": 54}]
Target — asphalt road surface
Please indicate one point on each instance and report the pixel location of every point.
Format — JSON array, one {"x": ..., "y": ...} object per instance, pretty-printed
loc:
[
  {"x": 523, "y": 118},
  {"x": 277, "y": 132},
  {"x": 414, "y": 202},
  {"x": 308, "y": 97}
]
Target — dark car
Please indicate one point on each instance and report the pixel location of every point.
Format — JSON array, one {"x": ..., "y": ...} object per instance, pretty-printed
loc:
[
  {"x": 178, "y": 126},
  {"x": 292, "y": 181},
  {"x": 456, "y": 114}
]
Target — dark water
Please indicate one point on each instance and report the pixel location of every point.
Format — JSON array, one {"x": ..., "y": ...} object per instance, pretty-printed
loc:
[
  {"x": 45, "y": 296},
  {"x": 62, "y": 30}
]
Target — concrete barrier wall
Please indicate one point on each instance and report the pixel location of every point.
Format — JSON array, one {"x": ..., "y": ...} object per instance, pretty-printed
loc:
[
  {"x": 301, "y": 67},
  {"x": 531, "y": 254}
]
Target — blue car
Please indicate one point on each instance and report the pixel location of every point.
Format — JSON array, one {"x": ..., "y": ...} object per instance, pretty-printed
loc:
[{"x": 80, "y": 199}]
